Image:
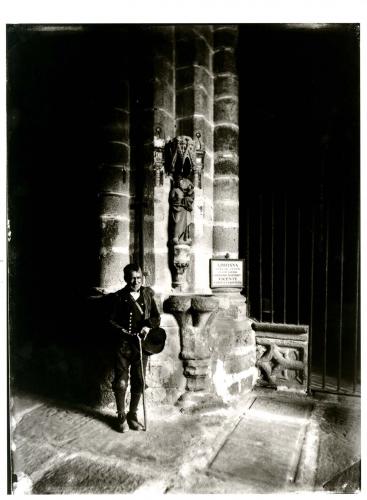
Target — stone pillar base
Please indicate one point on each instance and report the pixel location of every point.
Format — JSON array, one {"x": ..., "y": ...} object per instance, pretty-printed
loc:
[{"x": 191, "y": 401}]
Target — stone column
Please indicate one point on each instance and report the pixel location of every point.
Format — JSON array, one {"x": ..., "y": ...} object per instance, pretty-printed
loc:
[
  {"x": 158, "y": 126},
  {"x": 114, "y": 187},
  {"x": 226, "y": 192},
  {"x": 234, "y": 370},
  {"x": 194, "y": 114}
]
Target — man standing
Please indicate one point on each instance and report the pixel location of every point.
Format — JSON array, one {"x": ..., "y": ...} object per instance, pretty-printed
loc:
[{"x": 132, "y": 313}]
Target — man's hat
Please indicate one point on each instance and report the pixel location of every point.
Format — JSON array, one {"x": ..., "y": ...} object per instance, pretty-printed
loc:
[{"x": 154, "y": 341}]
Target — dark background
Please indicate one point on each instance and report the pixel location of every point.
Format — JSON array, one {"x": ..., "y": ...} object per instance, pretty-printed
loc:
[{"x": 299, "y": 140}]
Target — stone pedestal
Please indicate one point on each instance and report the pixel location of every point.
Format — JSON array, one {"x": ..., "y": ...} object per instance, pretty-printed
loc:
[
  {"x": 233, "y": 345},
  {"x": 193, "y": 313},
  {"x": 181, "y": 261}
]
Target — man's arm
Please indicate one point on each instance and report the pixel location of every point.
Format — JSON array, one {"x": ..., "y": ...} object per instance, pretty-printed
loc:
[{"x": 110, "y": 313}]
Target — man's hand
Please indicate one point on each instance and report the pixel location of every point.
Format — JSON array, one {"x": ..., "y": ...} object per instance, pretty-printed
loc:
[{"x": 144, "y": 332}]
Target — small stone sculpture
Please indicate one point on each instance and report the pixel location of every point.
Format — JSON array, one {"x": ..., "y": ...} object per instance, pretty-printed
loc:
[{"x": 181, "y": 199}]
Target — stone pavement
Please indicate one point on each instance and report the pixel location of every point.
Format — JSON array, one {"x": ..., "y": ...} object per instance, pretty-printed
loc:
[{"x": 268, "y": 442}]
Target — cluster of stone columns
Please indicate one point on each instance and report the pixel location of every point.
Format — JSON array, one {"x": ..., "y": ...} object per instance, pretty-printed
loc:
[
  {"x": 190, "y": 86},
  {"x": 194, "y": 114},
  {"x": 158, "y": 117}
]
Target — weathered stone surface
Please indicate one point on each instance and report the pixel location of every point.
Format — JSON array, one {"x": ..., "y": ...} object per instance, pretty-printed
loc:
[
  {"x": 191, "y": 75},
  {"x": 80, "y": 475},
  {"x": 225, "y": 85},
  {"x": 185, "y": 105},
  {"x": 202, "y": 303},
  {"x": 163, "y": 95},
  {"x": 224, "y": 61},
  {"x": 115, "y": 153},
  {"x": 184, "y": 445},
  {"x": 153, "y": 118},
  {"x": 281, "y": 328},
  {"x": 156, "y": 265},
  {"x": 113, "y": 205},
  {"x": 29, "y": 459},
  {"x": 226, "y": 188},
  {"x": 243, "y": 386},
  {"x": 112, "y": 269},
  {"x": 193, "y": 50},
  {"x": 177, "y": 303},
  {"x": 114, "y": 234},
  {"x": 225, "y": 138},
  {"x": 226, "y": 110},
  {"x": 164, "y": 68},
  {"x": 190, "y": 125},
  {"x": 237, "y": 364},
  {"x": 225, "y": 213},
  {"x": 198, "y": 367},
  {"x": 265, "y": 455},
  {"x": 225, "y": 36},
  {"x": 149, "y": 268},
  {"x": 194, "y": 99},
  {"x": 225, "y": 239},
  {"x": 226, "y": 164},
  {"x": 283, "y": 361},
  {"x": 113, "y": 179},
  {"x": 339, "y": 447}
]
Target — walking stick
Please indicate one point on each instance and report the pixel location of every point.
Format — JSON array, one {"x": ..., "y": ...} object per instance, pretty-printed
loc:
[{"x": 142, "y": 375}]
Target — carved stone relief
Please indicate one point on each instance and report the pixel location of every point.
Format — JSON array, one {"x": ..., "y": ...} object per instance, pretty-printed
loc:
[{"x": 282, "y": 355}]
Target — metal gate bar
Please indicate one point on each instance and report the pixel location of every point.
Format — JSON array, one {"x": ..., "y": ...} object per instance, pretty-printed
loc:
[
  {"x": 285, "y": 262},
  {"x": 326, "y": 296},
  {"x": 260, "y": 256},
  {"x": 341, "y": 297},
  {"x": 298, "y": 259},
  {"x": 355, "y": 356},
  {"x": 272, "y": 261},
  {"x": 247, "y": 263},
  {"x": 311, "y": 300}
]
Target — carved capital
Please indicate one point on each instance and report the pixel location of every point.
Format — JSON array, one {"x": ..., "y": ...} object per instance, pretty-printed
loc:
[{"x": 192, "y": 313}]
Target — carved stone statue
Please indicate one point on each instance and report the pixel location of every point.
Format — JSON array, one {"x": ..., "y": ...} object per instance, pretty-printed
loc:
[{"x": 181, "y": 199}]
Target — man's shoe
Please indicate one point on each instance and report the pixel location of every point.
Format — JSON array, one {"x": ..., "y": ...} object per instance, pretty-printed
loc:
[
  {"x": 133, "y": 422},
  {"x": 121, "y": 425}
]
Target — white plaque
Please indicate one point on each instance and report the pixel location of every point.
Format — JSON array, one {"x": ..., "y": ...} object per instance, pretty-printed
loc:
[{"x": 226, "y": 273}]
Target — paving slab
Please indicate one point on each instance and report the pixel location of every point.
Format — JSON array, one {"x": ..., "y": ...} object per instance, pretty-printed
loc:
[
  {"x": 340, "y": 444},
  {"x": 264, "y": 449},
  {"x": 265, "y": 443},
  {"x": 81, "y": 475},
  {"x": 53, "y": 441}
]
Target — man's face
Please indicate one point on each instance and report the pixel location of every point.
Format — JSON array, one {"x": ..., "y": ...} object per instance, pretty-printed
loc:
[{"x": 134, "y": 281}]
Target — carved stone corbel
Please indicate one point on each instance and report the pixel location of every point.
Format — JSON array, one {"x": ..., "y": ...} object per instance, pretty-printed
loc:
[{"x": 192, "y": 313}]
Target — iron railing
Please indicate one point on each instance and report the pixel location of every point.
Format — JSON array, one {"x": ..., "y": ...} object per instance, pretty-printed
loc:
[{"x": 303, "y": 268}]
